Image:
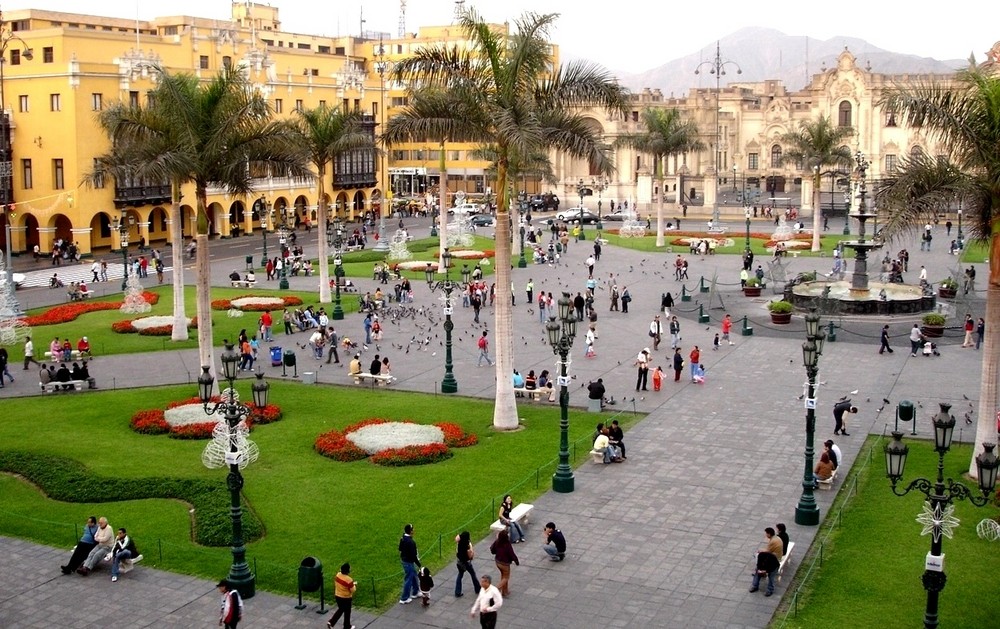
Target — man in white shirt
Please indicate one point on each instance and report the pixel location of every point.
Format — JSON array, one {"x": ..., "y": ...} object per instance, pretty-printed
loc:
[
  {"x": 487, "y": 603},
  {"x": 923, "y": 274}
]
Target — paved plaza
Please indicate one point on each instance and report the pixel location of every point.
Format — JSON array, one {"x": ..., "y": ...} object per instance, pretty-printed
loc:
[{"x": 665, "y": 539}]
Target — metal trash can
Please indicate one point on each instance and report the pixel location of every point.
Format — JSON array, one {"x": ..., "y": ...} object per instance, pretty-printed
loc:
[
  {"x": 310, "y": 574},
  {"x": 289, "y": 358},
  {"x": 275, "y": 356},
  {"x": 249, "y": 261}
]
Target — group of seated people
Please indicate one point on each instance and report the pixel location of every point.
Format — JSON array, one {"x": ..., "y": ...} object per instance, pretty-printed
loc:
[
  {"x": 63, "y": 350},
  {"x": 531, "y": 382},
  {"x": 609, "y": 442},
  {"x": 79, "y": 372},
  {"x": 828, "y": 462},
  {"x": 304, "y": 267},
  {"x": 305, "y": 319},
  {"x": 371, "y": 303},
  {"x": 100, "y": 543},
  {"x": 249, "y": 278},
  {"x": 356, "y": 239},
  {"x": 769, "y": 559},
  {"x": 77, "y": 291}
]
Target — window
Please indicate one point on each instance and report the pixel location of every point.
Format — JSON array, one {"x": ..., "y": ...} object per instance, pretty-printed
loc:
[
  {"x": 357, "y": 104},
  {"x": 26, "y": 173},
  {"x": 55, "y": 102},
  {"x": 203, "y": 62},
  {"x": 890, "y": 119},
  {"x": 635, "y": 116},
  {"x": 22, "y": 103},
  {"x": 322, "y": 102},
  {"x": 15, "y": 57},
  {"x": 58, "y": 175},
  {"x": 48, "y": 54},
  {"x": 399, "y": 101},
  {"x": 374, "y": 109},
  {"x": 298, "y": 104},
  {"x": 133, "y": 99},
  {"x": 753, "y": 161},
  {"x": 96, "y": 102},
  {"x": 845, "y": 114},
  {"x": 435, "y": 155},
  {"x": 890, "y": 163},
  {"x": 99, "y": 179},
  {"x": 169, "y": 30},
  {"x": 227, "y": 62},
  {"x": 314, "y": 71},
  {"x": 775, "y": 156},
  {"x": 345, "y": 105},
  {"x": 278, "y": 105},
  {"x": 303, "y": 46},
  {"x": 325, "y": 50},
  {"x": 400, "y": 154},
  {"x": 455, "y": 155}
]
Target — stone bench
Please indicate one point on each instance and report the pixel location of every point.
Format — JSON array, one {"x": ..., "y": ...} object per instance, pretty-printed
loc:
[
  {"x": 80, "y": 295},
  {"x": 75, "y": 356},
  {"x": 518, "y": 514},
  {"x": 52, "y": 387},
  {"x": 533, "y": 394},
  {"x": 380, "y": 380},
  {"x": 828, "y": 483},
  {"x": 242, "y": 283},
  {"x": 785, "y": 559}
]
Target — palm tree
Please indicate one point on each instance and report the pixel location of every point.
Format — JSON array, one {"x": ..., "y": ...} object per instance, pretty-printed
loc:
[
  {"x": 217, "y": 132},
  {"x": 122, "y": 123},
  {"x": 964, "y": 115},
  {"x": 326, "y": 134},
  {"x": 816, "y": 145},
  {"x": 501, "y": 89},
  {"x": 666, "y": 134}
]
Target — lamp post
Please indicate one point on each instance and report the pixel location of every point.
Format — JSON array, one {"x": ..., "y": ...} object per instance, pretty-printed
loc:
[
  {"x": 806, "y": 511},
  {"x": 448, "y": 383},
  {"x": 583, "y": 192},
  {"x": 120, "y": 225},
  {"x": 381, "y": 65},
  {"x": 231, "y": 447},
  {"x": 521, "y": 262},
  {"x": 601, "y": 184},
  {"x": 561, "y": 333},
  {"x": 937, "y": 517},
  {"x": 746, "y": 214},
  {"x": 734, "y": 177},
  {"x": 959, "y": 228},
  {"x": 847, "y": 209},
  {"x": 282, "y": 247},
  {"x": 261, "y": 207},
  {"x": 335, "y": 238},
  {"x": 717, "y": 66}
]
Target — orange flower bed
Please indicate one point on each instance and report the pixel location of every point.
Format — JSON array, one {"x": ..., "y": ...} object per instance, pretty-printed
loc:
[
  {"x": 335, "y": 445},
  {"x": 68, "y": 312},
  {"x": 153, "y": 421},
  {"x": 226, "y": 304}
]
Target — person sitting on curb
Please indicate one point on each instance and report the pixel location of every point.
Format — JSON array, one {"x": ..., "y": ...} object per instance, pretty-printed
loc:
[
  {"x": 768, "y": 562},
  {"x": 553, "y": 536}
]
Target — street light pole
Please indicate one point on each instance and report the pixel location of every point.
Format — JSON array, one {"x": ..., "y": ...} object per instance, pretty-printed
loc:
[
  {"x": 521, "y": 262},
  {"x": 746, "y": 213},
  {"x": 238, "y": 453},
  {"x": 282, "y": 246},
  {"x": 717, "y": 66},
  {"x": 582, "y": 191},
  {"x": 381, "y": 65},
  {"x": 120, "y": 224},
  {"x": 335, "y": 237},
  {"x": 448, "y": 384},
  {"x": 734, "y": 177},
  {"x": 806, "y": 512},
  {"x": 264, "y": 214},
  {"x": 561, "y": 333},
  {"x": 937, "y": 517}
]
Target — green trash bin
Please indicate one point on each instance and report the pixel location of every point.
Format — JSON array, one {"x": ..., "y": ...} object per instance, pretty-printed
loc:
[{"x": 310, "y": 574}]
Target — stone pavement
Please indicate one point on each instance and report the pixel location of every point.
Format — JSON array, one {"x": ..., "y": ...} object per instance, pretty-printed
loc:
[{"x": 664, "y": 539}]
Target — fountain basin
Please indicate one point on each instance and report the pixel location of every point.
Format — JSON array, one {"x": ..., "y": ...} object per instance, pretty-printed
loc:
[{"x": 900, "y": 298}]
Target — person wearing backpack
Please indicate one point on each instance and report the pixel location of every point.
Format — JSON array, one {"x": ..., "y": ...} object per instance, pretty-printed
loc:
[{"x": 232, "y": 605}]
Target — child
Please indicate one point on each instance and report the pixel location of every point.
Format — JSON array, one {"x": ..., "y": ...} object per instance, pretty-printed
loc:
[
  {"x": 699, "y": 375},
  {"x": 657, "y": 378},
  {"x": 715, "y": 342},
  {"x": 426, "y": 585}
]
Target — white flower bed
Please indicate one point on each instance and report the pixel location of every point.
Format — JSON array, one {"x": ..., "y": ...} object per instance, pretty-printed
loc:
[
  {"x": 187, "y": 414},
  {"x": 273, "y": 302},
  {"x": 378, "y": 437},
  {"x": 416, "y": 265},
  {"x": 468, "y": 254},
  {"x": 155, "y": 322}
]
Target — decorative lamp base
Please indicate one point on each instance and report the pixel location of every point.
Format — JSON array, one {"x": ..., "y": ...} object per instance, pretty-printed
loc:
[{"x": 563, "y": 484}]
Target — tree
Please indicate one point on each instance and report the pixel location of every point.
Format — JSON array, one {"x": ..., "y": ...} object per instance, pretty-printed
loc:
[
  {"x": 666, "y": 134},
  {"x": 218, "y": 132},
  {"x": 501, "y": 89},
  {"x": 964, "y": 115},
  {"x": 325, "y": 135},
  {"x": 816, "y": 145}
]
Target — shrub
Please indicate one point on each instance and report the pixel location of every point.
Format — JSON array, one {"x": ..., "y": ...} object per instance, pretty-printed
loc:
[
  {"x": 933, "y": 318},
  {"x": 753, "y": 282},
  {"x": 949, "y": 283},
  {"x": 779, "y": 307}
]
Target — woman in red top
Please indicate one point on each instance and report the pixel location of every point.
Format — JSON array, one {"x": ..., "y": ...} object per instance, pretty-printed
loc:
[
  {"x": 695, "y": 357},
  {"x": 504, "y": 554}
]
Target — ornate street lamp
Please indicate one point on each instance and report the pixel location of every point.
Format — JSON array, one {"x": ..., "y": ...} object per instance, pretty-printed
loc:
[
  {"x": 448, "y": 383},
  {"x": 282, "y": 247},
  {"x": 938, "y": 516},
  {"x": 335, "y": 239},
  {"x": 806, "y": 511},
  {"x": 561, "y": 332},
  {"x": 734, "y": 177},
  {"x": 230, "y": 446},
  {"x": 584, "y": 191},
  {"x": 120, "y": 225},
  {"x": 746, "y": 213},
  {"x": 717, "y": 67}
]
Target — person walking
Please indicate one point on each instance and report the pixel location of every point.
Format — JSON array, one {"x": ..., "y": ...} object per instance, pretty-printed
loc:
[
  {"x": 408, "y": 557},
  {"x": 727, "y": 327},
  {"x": 969, "y": 327},
  {"x": 541, "y": 307},
  {"x": 642, "y": 375},
  {"x": 980, "y": 331},
  {"x": 484, "y": 350},
  {"x": 487, "y": 603},
  {"x": 884, "y": 338},
  {"x": 343, "y": 593},
  {"x": 656, "y": 331},
  {"x": 530, "y": 290},
  {"x": 916, "y": 339},
  {"x": 231, "y": 608},
  {"x": 504, "y": 554},
  {"x": 695, "y": 358},
  {"x": 29, "y": 353},
  {"x": 666, "y": 303},
  {"x": 675, "y": 332},
  {"x": 463, "y": 561}
]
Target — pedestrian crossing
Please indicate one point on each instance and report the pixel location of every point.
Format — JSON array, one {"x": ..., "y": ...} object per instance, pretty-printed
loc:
[{"x": 74, "y": 273}]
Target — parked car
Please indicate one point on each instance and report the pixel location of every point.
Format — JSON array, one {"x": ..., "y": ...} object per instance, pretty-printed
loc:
[
  {"x": 617, "y": 215},
  {"x": 482, "y": 220},
  {"x": 465, "y": 208},
  {"x": 544, "y": 202},
  {"x": 573, "y": 215}
]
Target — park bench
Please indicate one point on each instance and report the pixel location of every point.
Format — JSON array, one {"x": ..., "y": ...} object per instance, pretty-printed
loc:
[
  {"x": 58, "y": 358},
  {"x": 828, "y": 483},
  {"x": 363, "y": 378},
  {"x": 52, "y": 387},
  {"x": 518, "y": 514},
  {"x": 242, "y": 283},
  {"x": 533, "y": 394},
  {"x": 597, "y": 456},
  {"x": 353, "y": 248},
  {"x": 79, "y": 295},
  {"x": 785, "y": 559}
]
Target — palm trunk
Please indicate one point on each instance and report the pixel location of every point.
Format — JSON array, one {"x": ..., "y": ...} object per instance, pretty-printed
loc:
[
  {"x": 987, "y": 424},
  {"x": 203, "y": 299},
  {"x": 505, "y": 406},
  {"x": 324, "y": 267},
  {"x": 817, "y": 214},
  {"x": 659, "y": 201},
  {"x": 443, "y": 209},
  {"x": 179, "y": 332}
]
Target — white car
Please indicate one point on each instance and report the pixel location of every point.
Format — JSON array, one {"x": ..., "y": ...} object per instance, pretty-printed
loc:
[{"x": 465, "y": 208}]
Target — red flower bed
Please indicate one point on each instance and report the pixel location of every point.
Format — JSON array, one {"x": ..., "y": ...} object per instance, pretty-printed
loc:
[
  {"x": 126, "y": 327},
  {"x": 335, "y": 445},
  {"x": 149, "y": 422},
  {"x": 226, "y": 304},
  {"x": 202, "y": 430},
  {"x": 67, "y": 312},
  {"x": 153, "y": 422}
]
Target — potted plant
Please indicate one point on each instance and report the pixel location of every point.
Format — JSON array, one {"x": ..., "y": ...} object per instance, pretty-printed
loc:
[
  {"x": 933, "y": 325},
  {"x": 752, "y": 287},
  {"x": 948, "y": 288},
  {"x": 781, "y": 311}
]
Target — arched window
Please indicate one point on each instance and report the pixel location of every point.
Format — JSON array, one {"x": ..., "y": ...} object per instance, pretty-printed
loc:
[
  {"x": 916, "y": 151},
  {"x": 845, "y": 114},
  {"x": 775, "y": 156}
]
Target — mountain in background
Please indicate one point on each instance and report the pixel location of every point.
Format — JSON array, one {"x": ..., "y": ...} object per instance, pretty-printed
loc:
[{"x": 765, "y": 53}]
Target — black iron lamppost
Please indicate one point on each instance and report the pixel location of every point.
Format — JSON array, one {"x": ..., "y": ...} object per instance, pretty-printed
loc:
[
  {"x": 847, "y": 209},
  {"x": 521, "y": 262},
  {"x": 584, "y": 191},
  {"x": 937, "y": 516},
  {"x": 282, "y": 247},
  {"x": 746, "y": 214},
  {"x": 601, "y": 184},
  {"x": 734, "y": 177},
  {"x": 263, "y": 213},
  {"x": 239, "y": 453},
  {"x": 120, "y": 225},
  {"x": 717, "y": 66},
  {"x": 335, "y": 239},
  {"x": 960, "y": 244},
  {"x": 448, "y": 384},
  {"x": 806, "y": 511},
  {"x": 561, "y": 332}
]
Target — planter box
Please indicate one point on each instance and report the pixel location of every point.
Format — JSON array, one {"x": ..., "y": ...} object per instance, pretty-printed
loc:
[
  {"x": 781, "y": 318},
  {"x": 947, "y": 293},
  {"x": 752, "y": 291},
  {"x": 932, "y": 331}
]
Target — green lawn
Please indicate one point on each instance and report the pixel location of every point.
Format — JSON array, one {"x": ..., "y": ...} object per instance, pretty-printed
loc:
[
  {"x": 308, "y": 504},
  {"x": 873, "y": 561}
]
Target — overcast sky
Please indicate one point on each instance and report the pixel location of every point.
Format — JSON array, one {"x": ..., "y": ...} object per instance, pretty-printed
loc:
[{"x": 629, "y": 35}]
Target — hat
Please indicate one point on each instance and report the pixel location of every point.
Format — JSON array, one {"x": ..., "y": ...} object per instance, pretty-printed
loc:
[{"x": 85, "y": 338}]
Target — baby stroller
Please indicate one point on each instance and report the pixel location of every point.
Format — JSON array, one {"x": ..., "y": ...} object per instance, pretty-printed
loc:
[{"x": 931, "y": 349}]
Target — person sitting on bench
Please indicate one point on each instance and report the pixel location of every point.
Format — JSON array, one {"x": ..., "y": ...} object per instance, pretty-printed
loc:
[
  {"x": 768, "y": 562},
  {"x": 234, "y": 276},
  {"x": 603, "y": 444},
  {"x": 250, "y": 278},
  {"x": 63, "y": 375},
  {"x": 123, "y": 550},
  {"x": 83, "y": 347}
]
